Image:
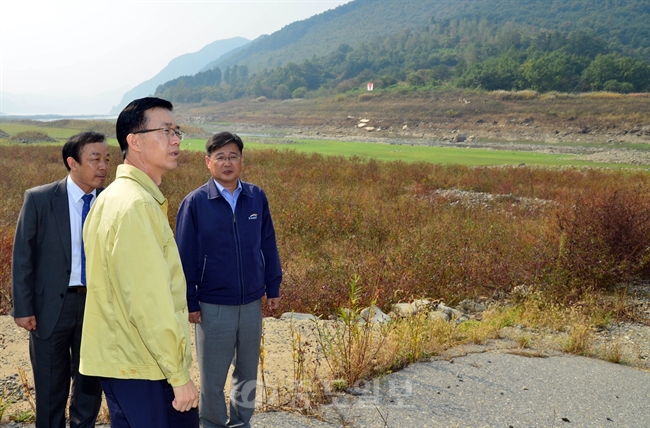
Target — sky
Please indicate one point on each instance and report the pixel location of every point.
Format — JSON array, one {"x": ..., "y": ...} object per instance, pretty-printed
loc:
[{"x": 84, "y": 50}]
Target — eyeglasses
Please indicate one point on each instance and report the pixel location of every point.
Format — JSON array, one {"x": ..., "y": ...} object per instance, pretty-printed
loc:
[
  {"x": 169, "y": 132},
  {"x": 231, "y": 158}
]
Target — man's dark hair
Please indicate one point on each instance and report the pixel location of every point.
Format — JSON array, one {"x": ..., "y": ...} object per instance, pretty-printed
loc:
[
  {"x": 133, "y": 118},
  {"x": 74, "y": 145},
  {"x": 219, "y": 140}
]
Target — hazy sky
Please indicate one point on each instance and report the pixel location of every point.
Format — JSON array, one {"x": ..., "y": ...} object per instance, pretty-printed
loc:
[{"x": 89, "y": 47}]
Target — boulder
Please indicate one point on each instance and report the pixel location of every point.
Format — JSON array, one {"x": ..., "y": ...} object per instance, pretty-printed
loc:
[
  {"x": 438, "y": 315},
  {"x": 373, "y": 314},
  {"x": 297, "y": 316},
  {"x": 404, "y": 310},
  {"x": 453, "y": 313}
]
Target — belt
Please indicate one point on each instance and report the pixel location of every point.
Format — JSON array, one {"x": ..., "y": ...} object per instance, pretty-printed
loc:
[{"x": 78, "y": 290}]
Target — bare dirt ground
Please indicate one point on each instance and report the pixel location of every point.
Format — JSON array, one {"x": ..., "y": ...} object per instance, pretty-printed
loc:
[{"x": 14, "y": 349}]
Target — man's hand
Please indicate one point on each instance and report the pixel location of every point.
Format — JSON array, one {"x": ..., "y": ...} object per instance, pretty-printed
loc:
[
  {"x": 273, "y": 303},
  {"x": 28, "y": 323},
  {"x": 195, "y": 317},
  {"x": 186, "y": 397}
]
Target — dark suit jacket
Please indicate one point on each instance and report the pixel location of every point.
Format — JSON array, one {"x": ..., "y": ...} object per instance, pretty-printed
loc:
[{"x": 41, "y": 258}]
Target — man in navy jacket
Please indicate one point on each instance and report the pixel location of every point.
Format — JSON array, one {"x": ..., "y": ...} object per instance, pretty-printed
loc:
[{"x": 227, "y": 244}]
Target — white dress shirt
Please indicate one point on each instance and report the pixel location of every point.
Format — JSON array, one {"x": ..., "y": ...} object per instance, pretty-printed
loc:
[{"x": 75, "y": 205}]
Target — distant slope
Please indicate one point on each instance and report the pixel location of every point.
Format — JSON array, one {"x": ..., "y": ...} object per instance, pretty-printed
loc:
[
  {"x": 623, "y": 23},
  {"x": 187, "y": 64}
]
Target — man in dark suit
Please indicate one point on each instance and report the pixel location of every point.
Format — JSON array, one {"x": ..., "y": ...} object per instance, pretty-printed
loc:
[{"x": 48, "y": 282}]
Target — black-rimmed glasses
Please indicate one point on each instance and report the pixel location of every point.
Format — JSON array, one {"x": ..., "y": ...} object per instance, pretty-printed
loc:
[{"x": 167, "y": 131}]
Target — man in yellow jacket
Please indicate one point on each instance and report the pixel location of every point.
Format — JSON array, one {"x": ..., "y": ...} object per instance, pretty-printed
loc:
[{"x": 136, "y": 332}]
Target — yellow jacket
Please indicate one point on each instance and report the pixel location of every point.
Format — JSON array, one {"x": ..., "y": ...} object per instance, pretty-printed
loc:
[{"x": 136, "y": 320}]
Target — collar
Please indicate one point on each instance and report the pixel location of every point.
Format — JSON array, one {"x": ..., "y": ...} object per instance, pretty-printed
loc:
[
  {"x": 215, "y": 192},
  {"x": 74, "y": 191},
  {"x": 132, "y": 173},
  {"x": 221, "y": 188}
]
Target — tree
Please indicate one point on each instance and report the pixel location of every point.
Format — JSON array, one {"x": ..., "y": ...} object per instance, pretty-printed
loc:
[
  {"x": 282, "y": 92},
  {"x": 615, "y": 68},
  {"x": 555, "y": 71}
]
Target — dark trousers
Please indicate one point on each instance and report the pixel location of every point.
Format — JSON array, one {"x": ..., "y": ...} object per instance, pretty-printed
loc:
[
  {"x": 55, "y": 362},
  {"x": 138, "y": 403}
]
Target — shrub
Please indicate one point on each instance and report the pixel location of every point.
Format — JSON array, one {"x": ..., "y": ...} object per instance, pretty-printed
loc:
[
  {"x": 605, "y": 238},
  {"x": 299, "y": 92},
  {"x": 514, "y": 95},
  {"x": 600, "y": 95},
  {"x": 365, "y": 97},
  {"x": 31, "y": 137}
]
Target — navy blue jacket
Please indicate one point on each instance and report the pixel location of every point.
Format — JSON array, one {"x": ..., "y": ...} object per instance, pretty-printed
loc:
[{"x": 227, "y": 259}]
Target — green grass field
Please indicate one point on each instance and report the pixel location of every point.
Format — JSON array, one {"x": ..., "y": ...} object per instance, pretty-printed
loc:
[
  {"x": 379, "y": 151},
  {"x": 415, "y": 153}
]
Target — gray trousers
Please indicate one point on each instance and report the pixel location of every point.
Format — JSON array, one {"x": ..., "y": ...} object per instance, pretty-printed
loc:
[{"x": 225, "y": 335}]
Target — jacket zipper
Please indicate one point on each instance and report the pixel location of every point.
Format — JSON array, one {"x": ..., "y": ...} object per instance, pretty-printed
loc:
[
  {"x": 205, "y": 259},
  {"x": 239, "y": 261}
]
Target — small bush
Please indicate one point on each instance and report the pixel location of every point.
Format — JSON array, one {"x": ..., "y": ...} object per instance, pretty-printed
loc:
[
  {"x": 365, "y": 97},
  {"x": 514, "y": 95},
  {"x": 600, "y": 95},
  {"x": 32, "y": 137},
  {"x": 299, "y": 93}
]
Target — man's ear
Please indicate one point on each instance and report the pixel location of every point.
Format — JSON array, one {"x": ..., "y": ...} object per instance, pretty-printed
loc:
[
  {"x": 72, "y": 163},
  {"x": 133, "y": 142}
]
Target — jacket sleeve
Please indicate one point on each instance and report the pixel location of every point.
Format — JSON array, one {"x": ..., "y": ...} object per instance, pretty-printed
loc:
[
  {"x": 187, "y": 239},
  {"x": 22, "y": 263},
  {"x": 272, "y": 267},
  {"x": 145, "y": 283}
]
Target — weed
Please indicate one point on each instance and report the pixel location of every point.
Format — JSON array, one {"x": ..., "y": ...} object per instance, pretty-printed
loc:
[
  {"x": 614, "y": 353},
  {"x": 24, "y": 381},
  {"x": 24, "y": 416},
  {"x": 350, "y": 345},
  {"x": 578, "y": 341},
  {"x": 6, "y": 400}
]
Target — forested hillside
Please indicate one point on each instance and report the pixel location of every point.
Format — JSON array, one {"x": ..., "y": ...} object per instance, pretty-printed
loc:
[{"x": 544, "y": 45}]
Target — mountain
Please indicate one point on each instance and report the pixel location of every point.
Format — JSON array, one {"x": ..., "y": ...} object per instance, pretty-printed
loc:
[
  {"x": 541, "y": 45},
  {"x": 183, "y": 65},
  {"x": 623, "y": 22}
]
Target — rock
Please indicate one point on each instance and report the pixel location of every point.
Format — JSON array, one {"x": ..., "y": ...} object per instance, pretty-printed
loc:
[
  {"x": 469, "y": 305},
  {"x": 361, "y": 125},
  {"x": 453, "y": 313},
  {"x": 364, "y": 120},
  {"x": 459, "y": 138},
  {"x": 297, "y": 316},
  {"x": 404, "y": 310},
  {"x": 373, "y": 314},
  {"x": 370, "y": 128},
  {"x": 422, "y": 305},
  {"x": 437, "y": 315}
]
